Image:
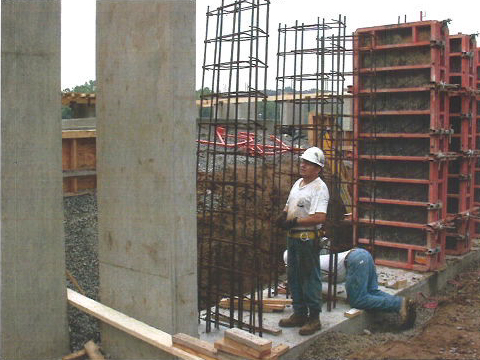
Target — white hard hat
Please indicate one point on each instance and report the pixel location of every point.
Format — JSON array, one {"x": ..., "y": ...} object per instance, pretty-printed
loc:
[{"x": 314, "y": 155}]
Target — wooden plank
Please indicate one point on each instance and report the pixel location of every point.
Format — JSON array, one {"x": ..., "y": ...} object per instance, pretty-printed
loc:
[
  {"x": 351, "y": 313},
  {"x": 246, "y": 338},
  {"x": 196, "y": 353},
  {"x": 277, "y": 301},
  {"x": 225, "y": 303},
  {"x": 277, "y": 351},
  {"x": 73, "y": 164},
  {"x": 74, "y": 282},
  {"x": 93, "y": 351},
  {"x": 223, "y": 346},
  {"x": 77, "y": 134},
  {"x": 396, "y": 284},
  {"x": 266, "y": 329},
  {"x": 131, "y": 326},
  {"x": 222, "y": 355},
  {"x": 73, "y": 173},
  {"x": 199, "y": 346},
  {"x": 247, "y": 349},
  {"x": 75, "y": 355},
  {"x": 86, "y": 154}
]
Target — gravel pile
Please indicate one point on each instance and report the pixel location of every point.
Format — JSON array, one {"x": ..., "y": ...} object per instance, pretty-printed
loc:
[{"x": 81, "y": 248}]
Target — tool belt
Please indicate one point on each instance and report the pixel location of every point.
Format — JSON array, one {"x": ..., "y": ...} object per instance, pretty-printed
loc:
[{"x": 305, "y": 235}]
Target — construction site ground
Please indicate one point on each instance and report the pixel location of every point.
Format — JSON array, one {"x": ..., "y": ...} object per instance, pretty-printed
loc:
[
  {"x": 447, "y": 325},
  {"x": 450, "y": 331}
]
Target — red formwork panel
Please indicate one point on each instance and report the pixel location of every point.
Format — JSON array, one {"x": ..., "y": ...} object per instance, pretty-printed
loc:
[
  {"x": 462, "y": 118},
  {"x": 401, "y": 111},
  {"x": 476, "y": 196},
  {"x": 459, "y": 241}
]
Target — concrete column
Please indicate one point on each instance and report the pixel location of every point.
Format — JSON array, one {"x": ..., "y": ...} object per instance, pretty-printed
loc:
[
  {"x": 33, "y": 302},
  {"x": 288, "y": 109},
  {"x": 146, "y": 167}
]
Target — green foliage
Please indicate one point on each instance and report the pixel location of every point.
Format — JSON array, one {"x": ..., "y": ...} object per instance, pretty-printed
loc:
[
  {"x": 206, "y": 91},
  {"x": 66, "y": 112},
  {"x": 89, "y": 87}
]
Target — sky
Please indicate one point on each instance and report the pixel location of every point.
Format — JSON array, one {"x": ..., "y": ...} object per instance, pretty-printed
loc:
[{"x": 78, "y": 24}]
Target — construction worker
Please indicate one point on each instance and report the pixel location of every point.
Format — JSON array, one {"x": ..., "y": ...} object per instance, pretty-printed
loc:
[
  {"x": 363, "y": 292},
  {"x": 357, "y": 268},
  {"x": 303, "y": 217}
]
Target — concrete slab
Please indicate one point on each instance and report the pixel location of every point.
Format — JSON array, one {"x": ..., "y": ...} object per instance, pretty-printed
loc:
[
  {"x": 33, "y": 305},
  {"x": 427, "y": 283}
]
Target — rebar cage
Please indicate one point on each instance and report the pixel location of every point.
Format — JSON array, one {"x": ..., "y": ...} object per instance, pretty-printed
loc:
[
  {"x": 313, "y": 108},
  {"x": 232, "y": 207}
]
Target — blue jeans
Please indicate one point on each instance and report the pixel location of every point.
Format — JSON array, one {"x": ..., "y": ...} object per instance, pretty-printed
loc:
[
  {"x": 304, "y": 277},
  {"x": 362, "y": 286}
]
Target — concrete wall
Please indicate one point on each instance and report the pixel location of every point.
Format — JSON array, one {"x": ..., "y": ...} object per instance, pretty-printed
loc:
[
  {"x": 33, "y": 292},
  {"x": 146, "y": 167}
]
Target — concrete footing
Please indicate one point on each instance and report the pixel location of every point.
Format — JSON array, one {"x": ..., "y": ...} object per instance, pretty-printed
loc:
[{"x": 426, "y": 283}]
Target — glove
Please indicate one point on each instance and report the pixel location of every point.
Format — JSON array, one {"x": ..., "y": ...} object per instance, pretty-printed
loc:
[
  {"x": 280, "y": 220},
  {"x": 288, "y": 224}
]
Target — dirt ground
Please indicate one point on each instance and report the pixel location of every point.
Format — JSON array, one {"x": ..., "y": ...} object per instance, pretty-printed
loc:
[{"x": 447, "y": 327}]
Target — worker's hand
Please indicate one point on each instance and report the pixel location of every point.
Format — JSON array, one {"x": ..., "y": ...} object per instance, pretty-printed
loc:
[
  {"x": 280, "y": 220},
  {"x": 288, "y": 224}
]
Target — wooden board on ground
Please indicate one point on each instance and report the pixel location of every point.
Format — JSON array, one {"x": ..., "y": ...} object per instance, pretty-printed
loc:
[
  {"x": 352, "y": 313},
  {"x": 199, "y": 346},
  {"x": 225, "y": 303},
  {"x": 257, "y": 354},
  {"x": 266, "y": 329},
  {"x": 93, "y": 351},
  {"x": 135, "y": 328},
  {"x": 248, "y": 339},
  {"x": 278, "y": 351},
  {"x": 75, "y": 355},
  {"x": 277, "y": 301},
  {"x": 397, "y": 284},
  {"x": 223, "y": 346},
  {"x": 196, "y": 353}
]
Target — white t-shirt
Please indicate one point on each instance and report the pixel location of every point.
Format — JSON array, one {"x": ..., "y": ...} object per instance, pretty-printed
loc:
[{"x": 307, "y": 200}]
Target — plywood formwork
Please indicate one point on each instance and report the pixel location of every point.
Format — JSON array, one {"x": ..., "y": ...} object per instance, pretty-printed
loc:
[
  {"x": 79, "y": 161},
  {"x": 401, "y": 125}
]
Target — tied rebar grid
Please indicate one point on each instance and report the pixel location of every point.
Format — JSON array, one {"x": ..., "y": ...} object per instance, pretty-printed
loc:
[
  {"x": 233, "y": 239},
  {"x": 312, "y": 71}
]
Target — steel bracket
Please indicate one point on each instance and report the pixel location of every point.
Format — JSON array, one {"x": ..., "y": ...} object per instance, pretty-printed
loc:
[
  {"x": 435, "y": 206},
  {"x": 433, "y": 251},
  {"x": 437, "y": 43},
  {"x": 441, "y": 132},
  {"x": 443, "y": 86}
]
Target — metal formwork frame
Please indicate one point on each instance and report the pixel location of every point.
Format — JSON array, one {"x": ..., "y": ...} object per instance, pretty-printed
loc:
[
  {"x": 425, "y": 35},
  {"x": 476, "y": 201},
  {"x": 460, "y": 196}
]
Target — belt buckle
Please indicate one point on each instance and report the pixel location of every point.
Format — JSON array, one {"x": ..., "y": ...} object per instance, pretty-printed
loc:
[{"x": 304, "y": 236}]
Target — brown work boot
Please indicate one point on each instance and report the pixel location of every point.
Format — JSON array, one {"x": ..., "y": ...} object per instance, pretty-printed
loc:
[
  {"x": 313, "y": 324},
  {"x": 293, "y": 321}
]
